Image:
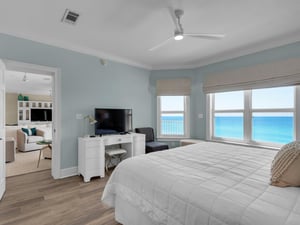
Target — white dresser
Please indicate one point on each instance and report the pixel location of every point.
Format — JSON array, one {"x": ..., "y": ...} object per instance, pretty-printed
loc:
[{"x": 91, "y": 152}]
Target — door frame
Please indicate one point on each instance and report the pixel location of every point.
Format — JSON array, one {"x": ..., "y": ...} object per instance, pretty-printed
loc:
[
  {"x": 2, "y": 132},
  {"x": 56, "y": 102}
]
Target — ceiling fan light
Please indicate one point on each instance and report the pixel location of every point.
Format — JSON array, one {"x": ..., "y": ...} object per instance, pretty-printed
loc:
[{"x": 178, "y": 37}]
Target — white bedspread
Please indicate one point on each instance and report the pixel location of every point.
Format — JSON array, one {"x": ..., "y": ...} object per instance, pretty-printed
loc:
[{"x": 205, "y": 183}]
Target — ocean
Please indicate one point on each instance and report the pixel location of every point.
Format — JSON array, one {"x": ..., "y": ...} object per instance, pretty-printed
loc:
[{"x": 264, "y": 129}]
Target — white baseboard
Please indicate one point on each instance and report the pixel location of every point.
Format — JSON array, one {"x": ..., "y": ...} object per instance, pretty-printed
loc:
[{"x": 68, "y": 172}]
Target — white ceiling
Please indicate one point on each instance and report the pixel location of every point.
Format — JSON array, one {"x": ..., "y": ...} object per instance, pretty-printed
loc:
[
  {"x": 124, "y": 30},
  {"x": 35, "y": 84}
]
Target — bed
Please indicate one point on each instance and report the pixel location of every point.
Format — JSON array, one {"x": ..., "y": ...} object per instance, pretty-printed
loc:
[{"x": 205, "y": 183}]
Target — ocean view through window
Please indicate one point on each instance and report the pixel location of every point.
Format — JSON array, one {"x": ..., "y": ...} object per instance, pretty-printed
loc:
[
  {"x": 172, "y": 116},
  {"x": 259, "y": 116}
]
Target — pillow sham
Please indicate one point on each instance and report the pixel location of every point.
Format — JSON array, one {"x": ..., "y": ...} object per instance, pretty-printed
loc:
[
  {"x": 29, "y": 131},
  {"x": 285, "y": 170}
]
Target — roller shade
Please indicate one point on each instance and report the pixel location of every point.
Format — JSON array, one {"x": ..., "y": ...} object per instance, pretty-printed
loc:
[
  {"x": 280, "y": 73},
  {"x": 173, "y": 87}
]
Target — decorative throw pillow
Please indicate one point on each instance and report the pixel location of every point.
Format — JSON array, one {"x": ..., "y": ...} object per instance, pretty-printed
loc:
[
  {"x": 285, "y": 169},
  {"x": 30, "y": 131}
]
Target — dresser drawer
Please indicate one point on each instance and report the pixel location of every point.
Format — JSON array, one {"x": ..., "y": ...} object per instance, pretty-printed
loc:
[{"x": 117, "y": 140}]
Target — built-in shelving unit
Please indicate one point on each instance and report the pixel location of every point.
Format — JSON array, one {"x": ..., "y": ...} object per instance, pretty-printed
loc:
[{"x": 24, "y": 108}]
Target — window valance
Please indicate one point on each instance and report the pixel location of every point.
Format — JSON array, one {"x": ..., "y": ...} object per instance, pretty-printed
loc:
[
  {"x": 173, "y": 87},
  {"x": 275, "y": 74}
]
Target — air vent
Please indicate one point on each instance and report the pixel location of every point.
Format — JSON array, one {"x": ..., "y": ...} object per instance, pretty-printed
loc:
[{"x": 70, "y": 17}]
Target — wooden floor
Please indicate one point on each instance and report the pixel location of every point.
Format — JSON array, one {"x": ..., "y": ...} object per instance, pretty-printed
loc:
[{"x": 37, "y": 199}]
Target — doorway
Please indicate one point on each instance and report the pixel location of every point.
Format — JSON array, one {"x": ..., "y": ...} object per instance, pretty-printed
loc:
[
  {"x": 28, "y": 100},
  {"x": 54, "y": 75}
]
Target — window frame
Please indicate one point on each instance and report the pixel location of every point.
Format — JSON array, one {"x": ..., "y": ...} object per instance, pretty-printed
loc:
[
  {"x": 186, "y": 114},
  {"x": 248, "y": 112}
]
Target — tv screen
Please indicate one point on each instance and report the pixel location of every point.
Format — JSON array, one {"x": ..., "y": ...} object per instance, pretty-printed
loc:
[
  {"x": 41, "y": 114},
  {"x": 113, "y": 121}
]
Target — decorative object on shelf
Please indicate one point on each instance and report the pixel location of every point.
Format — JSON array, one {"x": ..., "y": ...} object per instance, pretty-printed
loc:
[
  {"x": 20, "y": 97},
  {"x": 26, "y": 98},
  {"x": 27, "y": 111}
]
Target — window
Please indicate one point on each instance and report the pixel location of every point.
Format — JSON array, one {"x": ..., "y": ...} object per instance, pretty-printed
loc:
[
  {"x": 257, "y": 117},
  {"x": 229, "y": 114},
  {"x": 172, "y": 116}
]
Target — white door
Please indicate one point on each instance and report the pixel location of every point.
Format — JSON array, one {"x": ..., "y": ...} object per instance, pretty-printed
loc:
[{"x": 2, "y": 130}]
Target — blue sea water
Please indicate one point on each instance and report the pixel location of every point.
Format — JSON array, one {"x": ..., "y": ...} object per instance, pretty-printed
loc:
[{"x": 264, "y": 129}]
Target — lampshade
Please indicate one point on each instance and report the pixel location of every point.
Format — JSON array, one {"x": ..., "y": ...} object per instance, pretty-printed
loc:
[{"x": 91, "y": 119}]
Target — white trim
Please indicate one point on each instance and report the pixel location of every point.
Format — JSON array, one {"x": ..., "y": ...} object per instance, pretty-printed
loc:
[
  {"x": 2, "y": 131},
  {"x": 227, "y": 55},
  {"x": 233, "y": 54},
  {"x": 56, "y": 99},
  {"x": 83, "y": 50},
  {"x": 297, "y": 113},
  {"x": 68, "y": 172}
]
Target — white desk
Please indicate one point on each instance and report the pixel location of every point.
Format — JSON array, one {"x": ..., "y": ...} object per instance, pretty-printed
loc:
[{"x": 91, "y": 152}]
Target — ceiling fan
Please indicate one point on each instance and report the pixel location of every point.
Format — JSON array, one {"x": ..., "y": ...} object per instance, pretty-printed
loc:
[{"x": 179, "y": 34}]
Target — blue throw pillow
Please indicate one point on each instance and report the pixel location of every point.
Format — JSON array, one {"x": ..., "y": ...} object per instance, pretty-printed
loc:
[{"x": 30, "y": 131}]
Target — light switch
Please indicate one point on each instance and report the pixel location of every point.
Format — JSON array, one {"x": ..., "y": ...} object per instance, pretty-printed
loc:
[
  {"x": 200, "y": 116},
  {"x": 79, "y": 116}
]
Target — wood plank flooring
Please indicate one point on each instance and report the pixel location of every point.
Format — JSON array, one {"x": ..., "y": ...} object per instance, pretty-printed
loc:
[{"x": 38, "y": 199}]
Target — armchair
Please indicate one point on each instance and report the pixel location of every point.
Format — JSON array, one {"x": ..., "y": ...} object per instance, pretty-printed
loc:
[
  {"x": 151, "y": 144},
  {"x": 27, "y": 142}
]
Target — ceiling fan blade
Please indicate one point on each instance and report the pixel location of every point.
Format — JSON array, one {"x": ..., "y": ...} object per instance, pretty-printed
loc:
[
  {"x": 161, "y": 44},
  {"x": 205, "y": 36}
]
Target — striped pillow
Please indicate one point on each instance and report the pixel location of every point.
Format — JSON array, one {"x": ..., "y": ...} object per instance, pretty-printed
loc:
[{"x": 285, "y": 170}]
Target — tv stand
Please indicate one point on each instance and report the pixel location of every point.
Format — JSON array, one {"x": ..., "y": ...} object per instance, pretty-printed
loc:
[{"x": 91, "y": 151}]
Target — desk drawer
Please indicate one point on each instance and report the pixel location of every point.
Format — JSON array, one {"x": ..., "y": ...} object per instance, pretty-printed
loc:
[{"x": 117, "y": 140}]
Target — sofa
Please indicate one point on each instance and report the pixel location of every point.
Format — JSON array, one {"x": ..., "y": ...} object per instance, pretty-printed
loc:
[{"x": 28, "y": 142}]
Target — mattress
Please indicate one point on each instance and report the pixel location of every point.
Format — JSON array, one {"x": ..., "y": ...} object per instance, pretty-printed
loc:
[{"x": 205, "y": 183}]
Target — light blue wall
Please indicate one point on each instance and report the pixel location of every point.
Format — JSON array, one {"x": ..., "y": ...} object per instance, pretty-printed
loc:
[
  {"x": 198, "y": 98},
  {"x": 85, "y": 84}
]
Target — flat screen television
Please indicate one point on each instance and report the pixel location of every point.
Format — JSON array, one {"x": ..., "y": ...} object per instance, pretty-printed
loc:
[
  {"x": 41, "y": 115},
  {"x": 113, "y": 121}
]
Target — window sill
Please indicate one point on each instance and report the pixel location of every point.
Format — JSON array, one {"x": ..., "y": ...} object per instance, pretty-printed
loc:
[
  {"x": 177, "y": 138},
  {"x": 258, "y": 145}
]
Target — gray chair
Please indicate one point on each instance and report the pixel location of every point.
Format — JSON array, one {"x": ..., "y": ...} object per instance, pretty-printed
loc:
[{"x": 151, "y": 144}]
